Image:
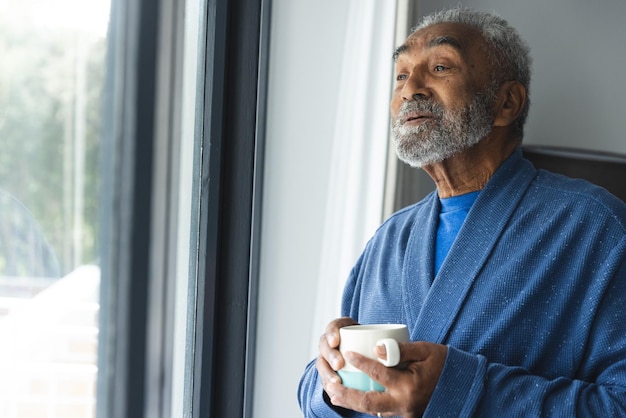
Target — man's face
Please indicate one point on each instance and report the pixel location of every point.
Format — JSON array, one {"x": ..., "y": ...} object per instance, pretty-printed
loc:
[{"x": 443, "y": 100}]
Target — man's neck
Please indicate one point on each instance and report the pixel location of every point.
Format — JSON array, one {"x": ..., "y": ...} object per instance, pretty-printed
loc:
[{"x": 470, "y": 170}]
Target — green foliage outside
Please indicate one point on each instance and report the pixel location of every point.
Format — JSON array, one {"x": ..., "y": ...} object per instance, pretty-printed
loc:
[{"x": 40, "y": 100}]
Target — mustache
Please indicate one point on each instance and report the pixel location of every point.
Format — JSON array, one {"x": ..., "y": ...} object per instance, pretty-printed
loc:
[{"x": 421, "y": 106}]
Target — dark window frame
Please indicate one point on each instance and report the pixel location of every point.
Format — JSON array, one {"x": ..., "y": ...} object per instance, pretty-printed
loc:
[
  {"x": 127, "y": 157},
  {"x": 230, "y": 205},
  {"x": 230, "y": 134}
]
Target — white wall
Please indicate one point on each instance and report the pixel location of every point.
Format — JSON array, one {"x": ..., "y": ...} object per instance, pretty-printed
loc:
[
  {"x": 579, "y": 82},
  {"x": 306, "y": 46}
]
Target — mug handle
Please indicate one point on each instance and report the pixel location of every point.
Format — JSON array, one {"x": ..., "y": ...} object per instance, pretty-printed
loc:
[{"x": 393, "y": 352}]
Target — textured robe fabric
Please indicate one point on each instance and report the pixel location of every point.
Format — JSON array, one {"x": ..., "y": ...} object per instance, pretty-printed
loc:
[{"x": 531, "y": 299}]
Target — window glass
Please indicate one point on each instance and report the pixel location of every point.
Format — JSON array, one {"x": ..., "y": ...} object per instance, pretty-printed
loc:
[{"x": 51, "y": 80}]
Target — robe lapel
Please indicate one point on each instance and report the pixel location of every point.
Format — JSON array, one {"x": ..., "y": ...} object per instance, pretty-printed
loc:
[
  {"x": 417, "y": 271},
  {"x": 470, "y": 251}
]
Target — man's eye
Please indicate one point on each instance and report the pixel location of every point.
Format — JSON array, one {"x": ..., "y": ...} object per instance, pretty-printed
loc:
[
  {"x": 401, "y": 77},
  {"x": 439, "y": 68}
]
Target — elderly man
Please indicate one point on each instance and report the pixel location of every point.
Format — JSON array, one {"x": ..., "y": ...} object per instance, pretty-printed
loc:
[{"x": 512, "y": 281}]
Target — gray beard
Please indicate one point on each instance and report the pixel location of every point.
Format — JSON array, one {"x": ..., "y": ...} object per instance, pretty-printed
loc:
[{"x": 447, "y": 134}]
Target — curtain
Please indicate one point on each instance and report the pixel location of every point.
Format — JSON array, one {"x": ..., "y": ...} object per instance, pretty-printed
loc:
[{"x": 359, "y": 153}]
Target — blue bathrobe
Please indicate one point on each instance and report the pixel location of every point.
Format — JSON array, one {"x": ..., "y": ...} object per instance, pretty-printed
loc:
[{"x": 531, "y": 299}]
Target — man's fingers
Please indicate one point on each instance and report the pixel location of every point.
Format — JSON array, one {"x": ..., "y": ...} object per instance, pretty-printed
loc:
[
  {"x": 329, "y": 343},
  {"x": 409, "y": 352},
  {"x": 326, "y": 372},
  {"x": 408, "y": 388},
  {"x": 332, "y": 330},
  {"x": 420, "y": 351},
  {"x": 330, "y": 359},
  {"x": 330, "y": 354},
  {"x": 367, "y": 402},
  {"x": 373, "y": 368}
]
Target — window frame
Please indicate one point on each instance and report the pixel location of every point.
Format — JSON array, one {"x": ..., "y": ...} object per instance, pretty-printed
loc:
[
  {"x": 126, "y": 193},
  {"x": 139, "y": 149},
  {"x": 230, "y": 205}
]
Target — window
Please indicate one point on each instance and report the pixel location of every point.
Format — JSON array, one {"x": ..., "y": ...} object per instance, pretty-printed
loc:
[
  {"x": 51, "y": 84},
  {"x": 136, "y": 251},
  {"x": 148, "y": 282}
]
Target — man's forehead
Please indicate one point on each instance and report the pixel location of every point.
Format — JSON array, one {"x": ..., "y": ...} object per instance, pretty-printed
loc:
[{"x": 455, "y": 35}]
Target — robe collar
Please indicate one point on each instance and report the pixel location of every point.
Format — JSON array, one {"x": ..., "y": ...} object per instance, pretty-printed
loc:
[{"x": 442, "y": 296}]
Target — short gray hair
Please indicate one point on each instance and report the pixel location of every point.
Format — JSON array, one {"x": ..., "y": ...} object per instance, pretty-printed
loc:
[{"x": 508, "y": 52}]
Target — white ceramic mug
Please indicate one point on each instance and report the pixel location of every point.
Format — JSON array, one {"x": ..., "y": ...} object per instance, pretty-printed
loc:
[{"x": 363, "y": 339}]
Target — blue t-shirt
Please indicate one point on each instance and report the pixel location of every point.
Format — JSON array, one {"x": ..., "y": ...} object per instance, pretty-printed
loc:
[{"x": 452, "y": 215}]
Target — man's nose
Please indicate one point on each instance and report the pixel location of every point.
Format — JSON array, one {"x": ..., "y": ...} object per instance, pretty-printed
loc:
[{"x": 415, "y": 88}]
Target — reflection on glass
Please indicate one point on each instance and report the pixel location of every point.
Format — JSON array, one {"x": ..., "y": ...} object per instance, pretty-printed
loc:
[{"x": 51, "y": 80}]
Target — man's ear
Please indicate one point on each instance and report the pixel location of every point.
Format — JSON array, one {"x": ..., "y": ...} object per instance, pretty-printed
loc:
[{"x": 509, "y": 103}]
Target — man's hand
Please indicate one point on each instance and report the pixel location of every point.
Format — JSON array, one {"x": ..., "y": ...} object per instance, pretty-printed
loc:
[
  {"x": 408, "y": 387},
  {"x": 330, "y": 359}
]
